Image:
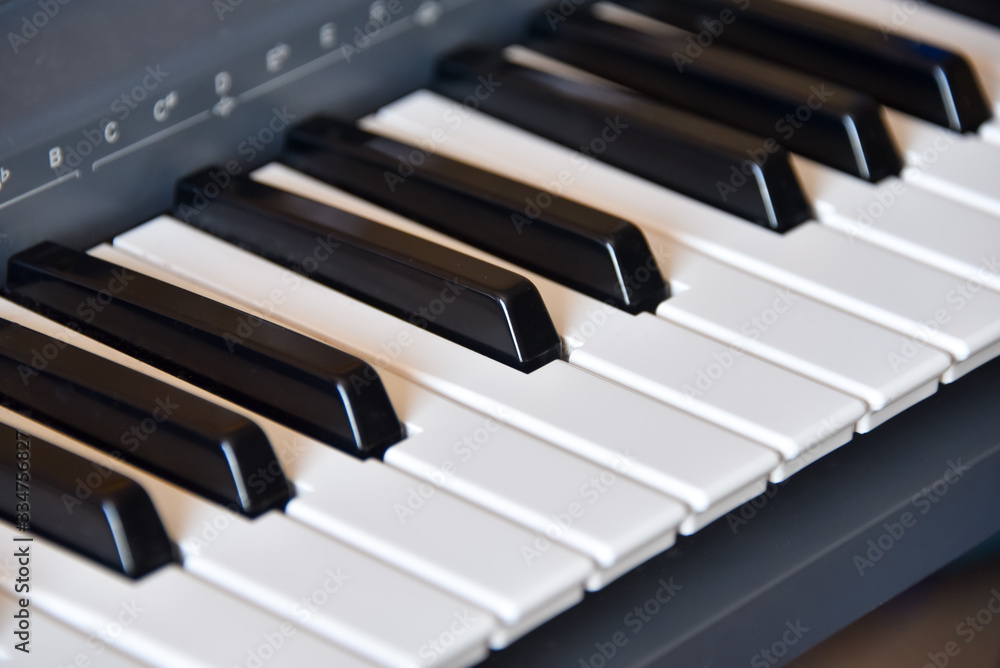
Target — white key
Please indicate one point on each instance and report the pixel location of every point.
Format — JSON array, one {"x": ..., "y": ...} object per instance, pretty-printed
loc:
[
  {"x": 920, "y": 20},
  {"x": 467, "y": 551},
  {"x": 558, "y": 403},
  {"x": 753, "y": 398},
  {"x": 889, "y": 372},
  {"x": 962, "y": 167},
  {"x": 850, "y": 274},
  {"x": 323, "y": 585},
  {"x": 168, "y": 618},
  {"x": 925, "y": 226},
  {"x": 50, "y": 644},
  {"x": 502, "y": 567},
  {"x": 619, "y": 524}
]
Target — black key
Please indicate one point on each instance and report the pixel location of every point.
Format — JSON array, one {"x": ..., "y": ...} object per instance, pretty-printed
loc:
[
  {"x": 921, "y": 79},
  {"x": 987, "y": 11},
  {"x": 182, "y": 438},
  {"x": 585, "y": 249},
  {"x": 700, "y": 158},
  {"x": 475, "y": 304},
  {"x": 289, "y": 378},
  {"x": 826, "y": 122},
  {"x": 80, "y": 505}
]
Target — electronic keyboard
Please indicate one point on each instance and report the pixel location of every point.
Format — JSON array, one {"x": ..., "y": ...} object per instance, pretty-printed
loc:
[{"x": 454, "y": 333}]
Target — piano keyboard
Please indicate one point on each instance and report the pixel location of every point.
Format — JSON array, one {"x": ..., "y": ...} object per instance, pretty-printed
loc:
[{"x": 436, "y": 377}]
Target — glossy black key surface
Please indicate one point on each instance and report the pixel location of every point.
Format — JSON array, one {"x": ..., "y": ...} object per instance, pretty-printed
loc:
[
  {"x": 829, "y": 123},
  {"x": 287, "y": 377},
  {"x": 585, "y": 249},
  {"x": 697, "y": 157},
  {"x": 182, "y": 438},
  {"x": 475, "y": 304},
  {"x": 921, "y": 79},
  {"x": 80, "y": 504},
  {"x": 987, "y": 11}
]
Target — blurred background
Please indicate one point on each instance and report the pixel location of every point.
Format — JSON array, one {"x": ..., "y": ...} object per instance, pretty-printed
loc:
[{"x": 944, "y": 621}]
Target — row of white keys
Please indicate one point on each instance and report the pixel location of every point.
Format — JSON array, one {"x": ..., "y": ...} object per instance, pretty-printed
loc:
[
  {"x": 710, "y": 469},
  {"x": 469, "y": 552},
  {"x": 48, "y": 643},
  {"x": 168, "y": 618},
  {"x": 754, "y": 398},
  {"x": 300, "y": 575},
  {"x": 925, "y": 226},
  {"x": 615, "y": 521},
  {"x": 920, "y": 302},
  {"x": 853, "y": 355}
]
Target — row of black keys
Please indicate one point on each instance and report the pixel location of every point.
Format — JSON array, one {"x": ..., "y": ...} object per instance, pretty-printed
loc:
[
  {"x": 308, "y": 386},
  {"x": 692, "y": 120},
  {"x": 289, "y": 378}
]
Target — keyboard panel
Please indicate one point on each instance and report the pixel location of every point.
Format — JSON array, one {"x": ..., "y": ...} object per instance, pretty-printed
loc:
[{"x": 827, "y": 390}]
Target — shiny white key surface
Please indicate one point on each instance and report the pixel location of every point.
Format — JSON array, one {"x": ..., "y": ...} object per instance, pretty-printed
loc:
[
  {"x": 694, "y": 461},
  {"x": 754, "y": 398},
  {"x": 465, "y": 550},
  {"x": 918, "y": 301},
  {"x": 453, "y": 544},
  {"x": 52, "y": 644},
  {"x": 620, "y": 524},
  {"x": 168, "y": 618},
  {"x": 616, "y": 521},
  {"x": 925, "y": 226},
  {"x": 306, "y": 578},
  {"x": 961, "y": 167},
  {"x": 889, "y": 372}
]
